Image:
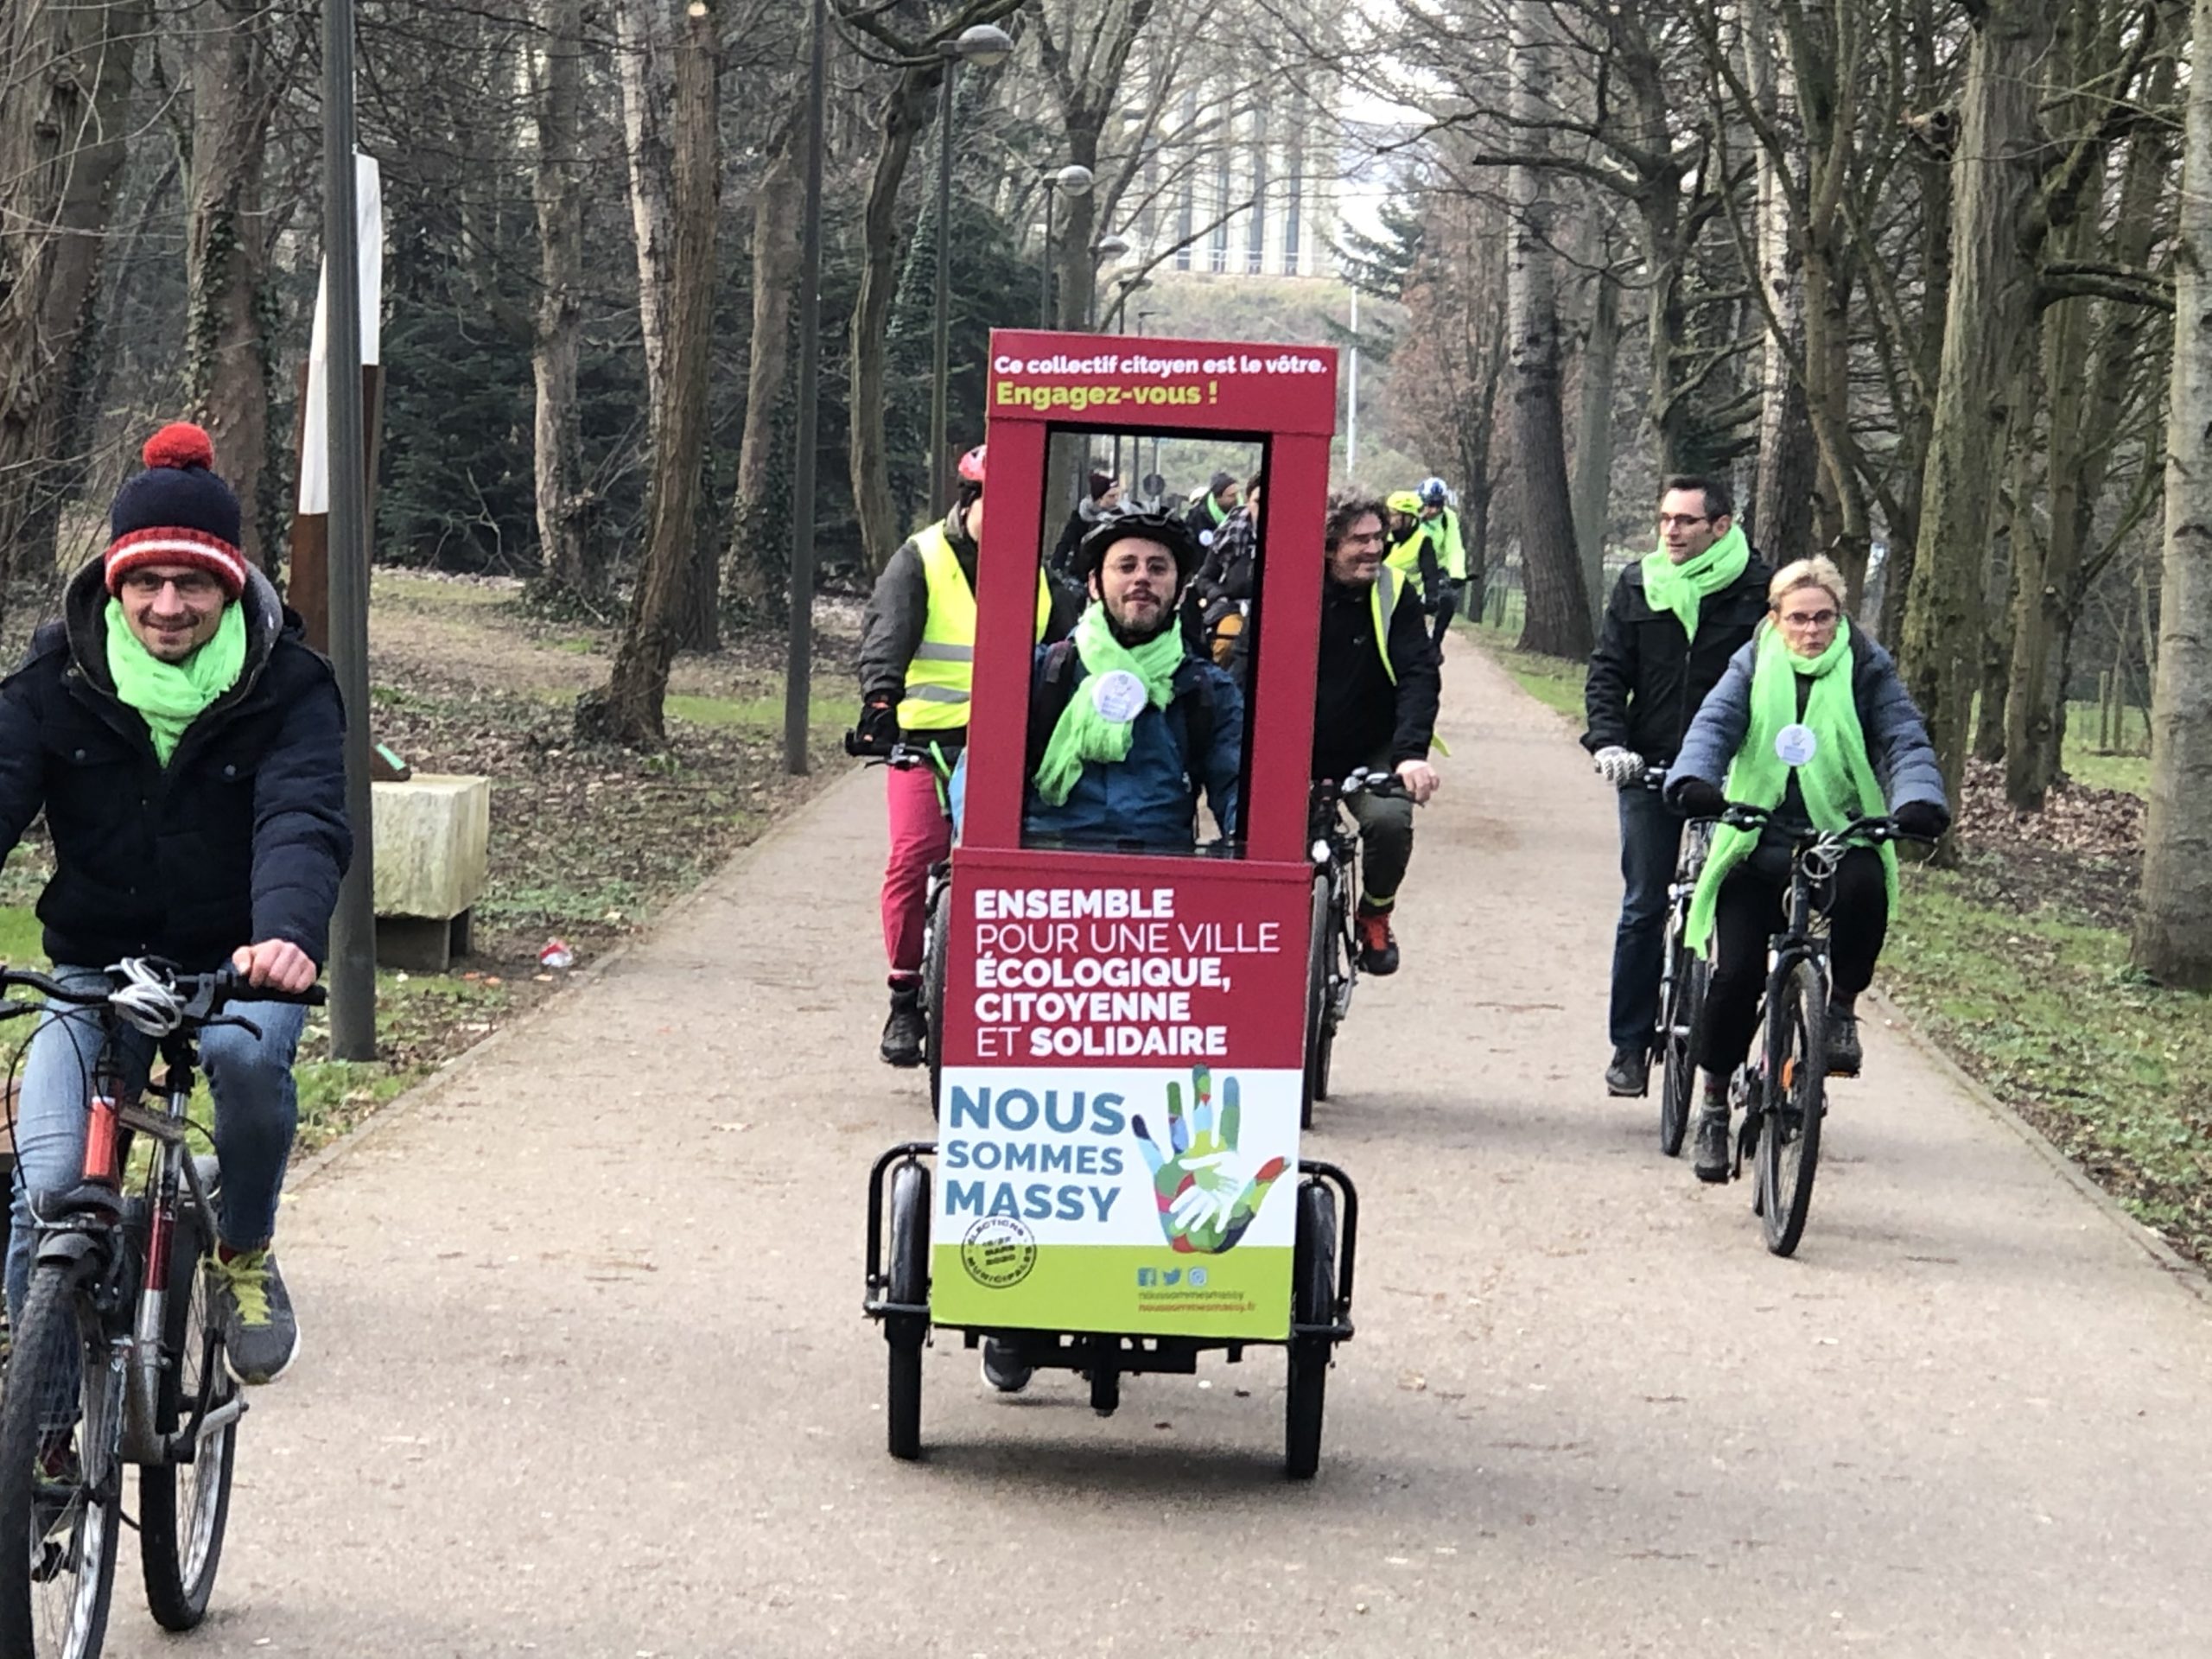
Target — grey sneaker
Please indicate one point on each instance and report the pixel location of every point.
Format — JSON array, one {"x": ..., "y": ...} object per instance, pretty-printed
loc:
[
  {"x": 1630, "y": 1073},
  {"x": 1002, "y": 1366},
  {"x": 1710, "y": 1158},
  {"x": 260, "y": 1336}
]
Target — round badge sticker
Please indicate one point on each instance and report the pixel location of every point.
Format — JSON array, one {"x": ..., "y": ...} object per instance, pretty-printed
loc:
[
  {"x": 1118, "y": 695},
  {"x": 1796, "y": 745},
  {"x": 998, "y": 1252}
]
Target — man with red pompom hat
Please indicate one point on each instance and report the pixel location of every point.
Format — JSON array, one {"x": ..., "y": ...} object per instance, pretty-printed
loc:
[{"x": 187, "y": 748}]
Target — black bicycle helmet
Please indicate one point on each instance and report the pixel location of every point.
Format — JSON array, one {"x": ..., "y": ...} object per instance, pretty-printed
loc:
[{"x": 1169, "y": 531}]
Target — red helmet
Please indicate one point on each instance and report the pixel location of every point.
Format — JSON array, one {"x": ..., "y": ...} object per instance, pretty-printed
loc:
[{"x": 971, "y": 465}]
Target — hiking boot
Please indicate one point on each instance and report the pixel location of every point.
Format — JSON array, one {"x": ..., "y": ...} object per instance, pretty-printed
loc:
[
  {"x": 1378, "y": 950},
  {"x": 904, "y": 1031},
  {"x": 1002, "y": 1366},
  {"x": 1631, "y": 1071},
  {"x": 1841, "y": 1045},
  {"x": 1710, "y": 1158},
  {"x": 260, "y": 1337}
]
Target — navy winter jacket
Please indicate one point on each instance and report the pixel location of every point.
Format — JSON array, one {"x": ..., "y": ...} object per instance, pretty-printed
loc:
[
  {"x": 240, "y": 839},
  {"x": 1897, "y": 739},
  {"x": 1152, "y": 798}
]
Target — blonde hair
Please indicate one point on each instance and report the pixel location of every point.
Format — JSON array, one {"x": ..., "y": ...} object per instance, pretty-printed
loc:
[{"x": 1815, "y": 572}]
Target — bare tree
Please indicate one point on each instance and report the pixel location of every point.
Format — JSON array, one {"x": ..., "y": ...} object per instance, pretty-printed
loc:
[
  {"x": 62, "y": 122},
  {"x": 628, "y": 708},
  {"x": 563, "y": 505},
  {"x": 1557, "y": 619},
  {"x": 2173, "y": 926}
]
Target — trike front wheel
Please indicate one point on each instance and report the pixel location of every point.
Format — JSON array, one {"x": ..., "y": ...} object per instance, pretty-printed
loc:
[
  {"x": 907, "y": 1282},
  {"x": 1313, "y": 1303}
]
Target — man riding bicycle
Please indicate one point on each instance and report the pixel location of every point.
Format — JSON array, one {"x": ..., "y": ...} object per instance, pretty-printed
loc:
[
  {"x": 186, "y": 747},
  {"x": 1675, "y": 618},
  {"x": 1378, "y": 682},
  {"x": 916, "y": 665},
  {"x": 1442, "y": 524},
  {"x": 1806, "y": 671}
]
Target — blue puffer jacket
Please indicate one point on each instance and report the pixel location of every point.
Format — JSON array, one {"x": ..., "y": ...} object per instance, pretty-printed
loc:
[
  {"x": 1152, "y": 798},
  {"x": 240, "y": 839},
  {"x": 1897, "y": 739}
]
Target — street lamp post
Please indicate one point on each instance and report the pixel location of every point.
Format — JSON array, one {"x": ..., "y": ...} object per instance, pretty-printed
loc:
[
  {"x": 1127, "y": 285},
  {"x": 1145, "y": 313},
  {"x": 798, "y": 665},
  {"x": 1076, "y": 179},
  {"x": 985, "y": 45},
  {"x": 1103, "y": 251}
]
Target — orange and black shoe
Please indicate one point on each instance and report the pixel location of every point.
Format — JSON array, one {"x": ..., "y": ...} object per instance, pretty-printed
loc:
[{"x": 1378, "y": 949}]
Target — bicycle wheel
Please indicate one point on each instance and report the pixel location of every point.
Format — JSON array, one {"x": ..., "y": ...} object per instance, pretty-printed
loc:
[
  {"x": 905, "y": 1333},
  {"x": 183, "y": 1507},
  {"x": 1795, "y": 1085},
  {"x": 1313, "y": 1301},
  {"x": 1677, "y": 1062},
  {"x": 936, "y": 964},
  {"x": 60, "y": 1483},
  {"x": 1314, "y": 1085}
]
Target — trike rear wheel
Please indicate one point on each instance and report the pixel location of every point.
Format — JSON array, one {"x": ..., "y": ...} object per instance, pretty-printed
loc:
[
  {"x": 1315, "y": 1083},
  {"x": 936, "y": 964},
  {"x": 1313, "y": 1303},
  {"x": 907, "y": 1282}
]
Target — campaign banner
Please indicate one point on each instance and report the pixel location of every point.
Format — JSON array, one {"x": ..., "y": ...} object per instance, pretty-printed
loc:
[
  {"x": 1117, "y": 1135},
  {"x": 1173, "y": 384}
]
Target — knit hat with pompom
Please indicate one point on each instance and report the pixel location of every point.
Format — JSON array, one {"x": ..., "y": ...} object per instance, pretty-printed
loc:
[{"x": 177, "y": 511}]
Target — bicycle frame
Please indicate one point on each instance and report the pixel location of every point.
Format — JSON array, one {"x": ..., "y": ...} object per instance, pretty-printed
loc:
[{"x": 96, "y": 1232}]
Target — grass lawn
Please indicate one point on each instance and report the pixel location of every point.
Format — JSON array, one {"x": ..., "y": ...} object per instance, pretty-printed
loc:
[{"x": 1555, "y": 682}]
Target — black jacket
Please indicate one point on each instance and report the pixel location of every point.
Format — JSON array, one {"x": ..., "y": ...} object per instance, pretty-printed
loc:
[
  {"x": 891, "y": 629},
  {"x": 1647, "y": 677},
  {"x": 1359, "y": 717},
  {"x": 239, "y": 840},
  {"x": 1227, "y": 571}
]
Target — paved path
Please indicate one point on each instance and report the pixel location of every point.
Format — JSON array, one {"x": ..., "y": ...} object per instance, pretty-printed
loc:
[{"x": 586, "y": 1375}]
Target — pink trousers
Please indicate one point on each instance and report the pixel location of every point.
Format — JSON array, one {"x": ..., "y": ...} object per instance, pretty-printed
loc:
[{"x": 921, "y": 835}]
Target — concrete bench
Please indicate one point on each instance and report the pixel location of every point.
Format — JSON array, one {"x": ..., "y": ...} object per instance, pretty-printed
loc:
[{"x": 433, "y": 834}]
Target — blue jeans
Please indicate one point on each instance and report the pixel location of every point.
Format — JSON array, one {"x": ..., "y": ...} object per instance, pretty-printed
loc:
[
  {"x": 256, "y": 1109},
  {"x": 1651, "y": 840}
]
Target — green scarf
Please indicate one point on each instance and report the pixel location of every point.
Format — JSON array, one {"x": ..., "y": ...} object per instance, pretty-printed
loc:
[
  {"x": 169, "y": 697},
  {"x": 1837, "y": 784},
  {"x": 1683, "y": 588},
  {"x": 1083, "y": 734}
]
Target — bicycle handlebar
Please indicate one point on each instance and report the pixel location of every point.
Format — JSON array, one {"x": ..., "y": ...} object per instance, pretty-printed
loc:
[
  {"x": 202, "y": 997},
  {"x": 1860, "y": 832},
  {"x": 1367, "y": 780},
  {"x": 901, "y": 756}
]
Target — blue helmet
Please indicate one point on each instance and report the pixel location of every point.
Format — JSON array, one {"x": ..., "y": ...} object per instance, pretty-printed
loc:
[{"x": 1432, "y": 491}]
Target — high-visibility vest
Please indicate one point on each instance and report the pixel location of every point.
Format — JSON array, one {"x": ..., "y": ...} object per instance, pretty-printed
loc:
[
  {"x": 1451, "y": 552},
  {"x": 1382, "y": 600},
  {"x": 1405, "y": 558},
  {"x": 943, "y": 673}
]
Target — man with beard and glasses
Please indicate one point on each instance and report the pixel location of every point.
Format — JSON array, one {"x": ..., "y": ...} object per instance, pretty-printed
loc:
[{"x": 1127, "y": 724}]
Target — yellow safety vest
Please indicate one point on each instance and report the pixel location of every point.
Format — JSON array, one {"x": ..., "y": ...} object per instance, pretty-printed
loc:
[
  {"x": 1405, "y": 558},
  {"x": 1382, "y": 600},
  {"x": 943, "y": 673}
]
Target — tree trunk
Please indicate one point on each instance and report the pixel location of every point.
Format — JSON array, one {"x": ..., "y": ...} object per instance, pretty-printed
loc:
[
  {"x": 1557, "y": 619},
  {"x": 226, "y": 356},
  {"x": 1593, "y": 430},
  {"x": 1781, "y": 495},
  {"x": 62, "y": 133},
  {"x": 755, "y": 565},
  {"x": 2087, "y": 399},
  {"x": 628, "y": 709},
  {"x": 564, "y": 550},
  {"x": 2173, "y": 925},
  {"x": 906, "y": 112},
  {"x": 2173, "y": 928},
  {"x": 1988, "y": 322}
]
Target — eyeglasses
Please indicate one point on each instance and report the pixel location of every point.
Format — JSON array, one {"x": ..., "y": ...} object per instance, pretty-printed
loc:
[
  {"x": 1672, "y": 520},
  {"x": 193, "y": 586},
  {"x": 1808, "y": 619}
]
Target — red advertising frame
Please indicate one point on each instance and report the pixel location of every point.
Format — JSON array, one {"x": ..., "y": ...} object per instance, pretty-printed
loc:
[{"x": 1244, "y": 919}]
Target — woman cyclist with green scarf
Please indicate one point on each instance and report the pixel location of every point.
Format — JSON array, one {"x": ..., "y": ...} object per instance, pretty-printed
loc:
[{"x": 1806, "y": 666}]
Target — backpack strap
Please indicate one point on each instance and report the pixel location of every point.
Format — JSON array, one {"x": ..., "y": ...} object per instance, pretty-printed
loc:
[{"x": 1049, "y": 692}]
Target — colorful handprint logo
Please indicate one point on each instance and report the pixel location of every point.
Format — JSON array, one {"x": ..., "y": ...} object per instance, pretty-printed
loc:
[{"x": 1206, "y": 1196}]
